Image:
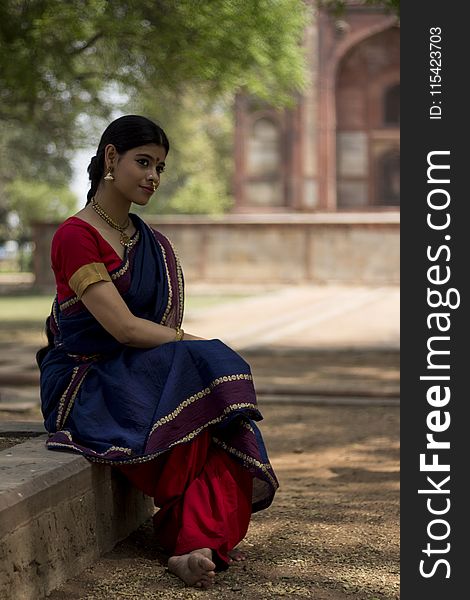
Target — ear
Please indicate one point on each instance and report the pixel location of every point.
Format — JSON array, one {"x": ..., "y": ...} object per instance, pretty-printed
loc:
[{"x": 110, "y": 155}]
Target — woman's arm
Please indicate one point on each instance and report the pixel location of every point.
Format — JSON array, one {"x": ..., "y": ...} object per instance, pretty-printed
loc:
[{"x": 107, "y": 306}]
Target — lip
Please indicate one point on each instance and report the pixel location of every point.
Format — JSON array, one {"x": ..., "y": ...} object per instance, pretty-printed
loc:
[{"x": 146, "y": 189}]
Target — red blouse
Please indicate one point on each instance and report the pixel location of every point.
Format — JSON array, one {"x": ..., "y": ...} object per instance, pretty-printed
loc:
[{"x": 80, "y": 256}]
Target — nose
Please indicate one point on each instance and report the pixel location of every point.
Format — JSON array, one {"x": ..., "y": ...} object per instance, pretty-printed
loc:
[
  {"x": 153, "y": 175},
  {"x": 154, "y": 178}
]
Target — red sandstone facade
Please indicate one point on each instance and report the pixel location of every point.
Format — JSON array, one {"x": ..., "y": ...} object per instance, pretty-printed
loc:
[{"x": 338, "y": 149}]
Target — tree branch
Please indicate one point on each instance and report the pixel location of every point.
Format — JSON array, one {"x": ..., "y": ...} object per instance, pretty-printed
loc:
[{"x": 87, "y": 44}]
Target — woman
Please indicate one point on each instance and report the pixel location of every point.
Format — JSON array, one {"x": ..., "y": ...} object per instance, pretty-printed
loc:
[{"x": 124, "y": 385}]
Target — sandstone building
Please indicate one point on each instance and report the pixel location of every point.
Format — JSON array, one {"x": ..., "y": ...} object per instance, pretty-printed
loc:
[{"x": 339, "y": 148}]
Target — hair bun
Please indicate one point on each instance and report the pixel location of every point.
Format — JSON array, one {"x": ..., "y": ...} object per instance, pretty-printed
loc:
[{"x": 92, "y": 167}]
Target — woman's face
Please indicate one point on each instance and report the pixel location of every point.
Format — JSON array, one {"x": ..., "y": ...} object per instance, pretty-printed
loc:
[{"x": 136, "y": 170}]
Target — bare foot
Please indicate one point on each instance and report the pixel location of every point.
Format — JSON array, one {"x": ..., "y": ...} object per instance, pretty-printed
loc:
[
  {"x": 195, "y": 569},
  {"x": 236, "y": 555}
]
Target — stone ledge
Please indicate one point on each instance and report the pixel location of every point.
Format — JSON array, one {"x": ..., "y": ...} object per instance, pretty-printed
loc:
[
  {"x": 20, "y": 428},
  {"x": 58, "y": 513},
  {"x": 385, "y": 217}
]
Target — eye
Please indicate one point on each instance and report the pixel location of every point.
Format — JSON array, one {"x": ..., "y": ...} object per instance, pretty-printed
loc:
[
  {"x": 143, "y": 161},
  {"x": 160, "y": 169}
]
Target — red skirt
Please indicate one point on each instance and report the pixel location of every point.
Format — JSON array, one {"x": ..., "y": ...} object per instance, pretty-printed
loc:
[{"x": 204, "y": 497}]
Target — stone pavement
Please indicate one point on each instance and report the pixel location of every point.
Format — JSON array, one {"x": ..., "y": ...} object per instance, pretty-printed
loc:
[{"x": 304, "y": 317}]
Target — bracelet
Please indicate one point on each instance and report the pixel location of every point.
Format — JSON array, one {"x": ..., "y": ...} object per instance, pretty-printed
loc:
[{"x": 179, "y": 334}]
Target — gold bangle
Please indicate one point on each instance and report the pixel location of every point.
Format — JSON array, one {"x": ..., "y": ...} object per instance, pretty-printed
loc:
[{"x": 179, "y": 334}]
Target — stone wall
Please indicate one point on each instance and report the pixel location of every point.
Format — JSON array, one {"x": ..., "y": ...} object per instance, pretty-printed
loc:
[
  {"x": 342, "y": 248},
  {"x": 58, "y": 514}
]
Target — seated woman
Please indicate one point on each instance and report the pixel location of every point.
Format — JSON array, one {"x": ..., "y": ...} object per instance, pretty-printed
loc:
[{"x": 124, "y": 385}]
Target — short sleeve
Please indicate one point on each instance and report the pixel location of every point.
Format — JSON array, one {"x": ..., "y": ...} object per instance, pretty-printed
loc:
[{"x": 76, "y": 258}]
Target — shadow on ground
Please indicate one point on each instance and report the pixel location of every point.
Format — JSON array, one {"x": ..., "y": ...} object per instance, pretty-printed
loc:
[{"x": 331, "y": 533}]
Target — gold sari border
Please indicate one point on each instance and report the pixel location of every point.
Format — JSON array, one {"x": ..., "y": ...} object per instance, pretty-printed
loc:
[
  {"x": 225, "y": 412},
  {"x": 170, "y": 287},
  {"x": 61, "y": 417},
  {"x": 179, "y": 275},
  {"x": 248, "y": 460},
  {"x": 101, "y": 458},
  {"x": 59, "y": 420},
  {"x": 198, "y": 396}
]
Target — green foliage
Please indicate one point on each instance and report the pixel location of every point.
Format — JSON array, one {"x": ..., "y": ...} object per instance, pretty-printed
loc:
[
  {"x": 201, "y": 194},
  {"x": 197, "y": 178},
  {"x": 59, "y": 55},
  {"x": 36, "y": 201},
  {"x": 28, "y": 153},
  {"x": 59, "y": 60}
]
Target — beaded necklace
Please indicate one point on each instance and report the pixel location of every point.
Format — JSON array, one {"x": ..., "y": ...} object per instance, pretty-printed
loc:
[{"x": 125, "y": 240}]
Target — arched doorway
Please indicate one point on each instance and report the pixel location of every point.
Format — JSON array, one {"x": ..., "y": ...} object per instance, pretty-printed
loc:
[{"x": 367, "y": 118}]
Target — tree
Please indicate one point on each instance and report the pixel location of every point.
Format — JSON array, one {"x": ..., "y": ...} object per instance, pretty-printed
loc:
[
  {"x": 197, "y": 178},
  {"x": 33, "y": 201},
  {"x": 58, "y": 59}
]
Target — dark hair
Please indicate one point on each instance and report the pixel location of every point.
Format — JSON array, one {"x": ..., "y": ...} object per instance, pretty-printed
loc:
[
  {"x": 124, "y": 133},
  {"x": 42, "y": 352}
]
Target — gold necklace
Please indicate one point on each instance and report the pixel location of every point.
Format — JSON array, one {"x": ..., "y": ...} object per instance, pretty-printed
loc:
[{"x": 125, "y": 240}]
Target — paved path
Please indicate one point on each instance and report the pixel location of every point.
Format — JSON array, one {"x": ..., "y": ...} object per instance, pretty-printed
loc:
[{"x": 310, "y": 317}]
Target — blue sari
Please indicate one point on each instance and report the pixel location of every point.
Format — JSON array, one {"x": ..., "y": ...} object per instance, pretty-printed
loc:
[{"x": 119, "y": 405}]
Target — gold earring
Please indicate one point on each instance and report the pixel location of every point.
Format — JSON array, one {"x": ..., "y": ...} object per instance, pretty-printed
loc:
[{"x": 109, "y": 175}]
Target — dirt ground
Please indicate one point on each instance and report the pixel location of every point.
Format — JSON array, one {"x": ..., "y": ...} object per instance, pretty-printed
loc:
[
  {"x": 8, "y": 442},
  {"x": 332, "y": 532}
]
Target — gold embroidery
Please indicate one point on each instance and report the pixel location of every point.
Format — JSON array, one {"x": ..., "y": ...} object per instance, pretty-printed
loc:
[
  {"x": 67, "y": 433},
  {"x": 265, "y": 467},
  {"x": 197, "y": 431},
  {"x": 62, "y": 445},
  {"x": 117, "y": 448},
  {"x": 86, "y": 275},
  {"x": 198, "y": 396},
  {"x": 148, "y": 457},
  {"x": 179, "y": 274},
  {"x": 171, "y": 416},
  {"x": 61, "y": 420},
  {"x": 121, "y": 271},
  {"x": 54, "y": 312},
  {"x": 68, "y": 303},
  {"x": 170, "y": 289},
  {"x": 248, "y": 426},
  {"x": 58, "y": 422},
  {"x": 72, "y": 399}
]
